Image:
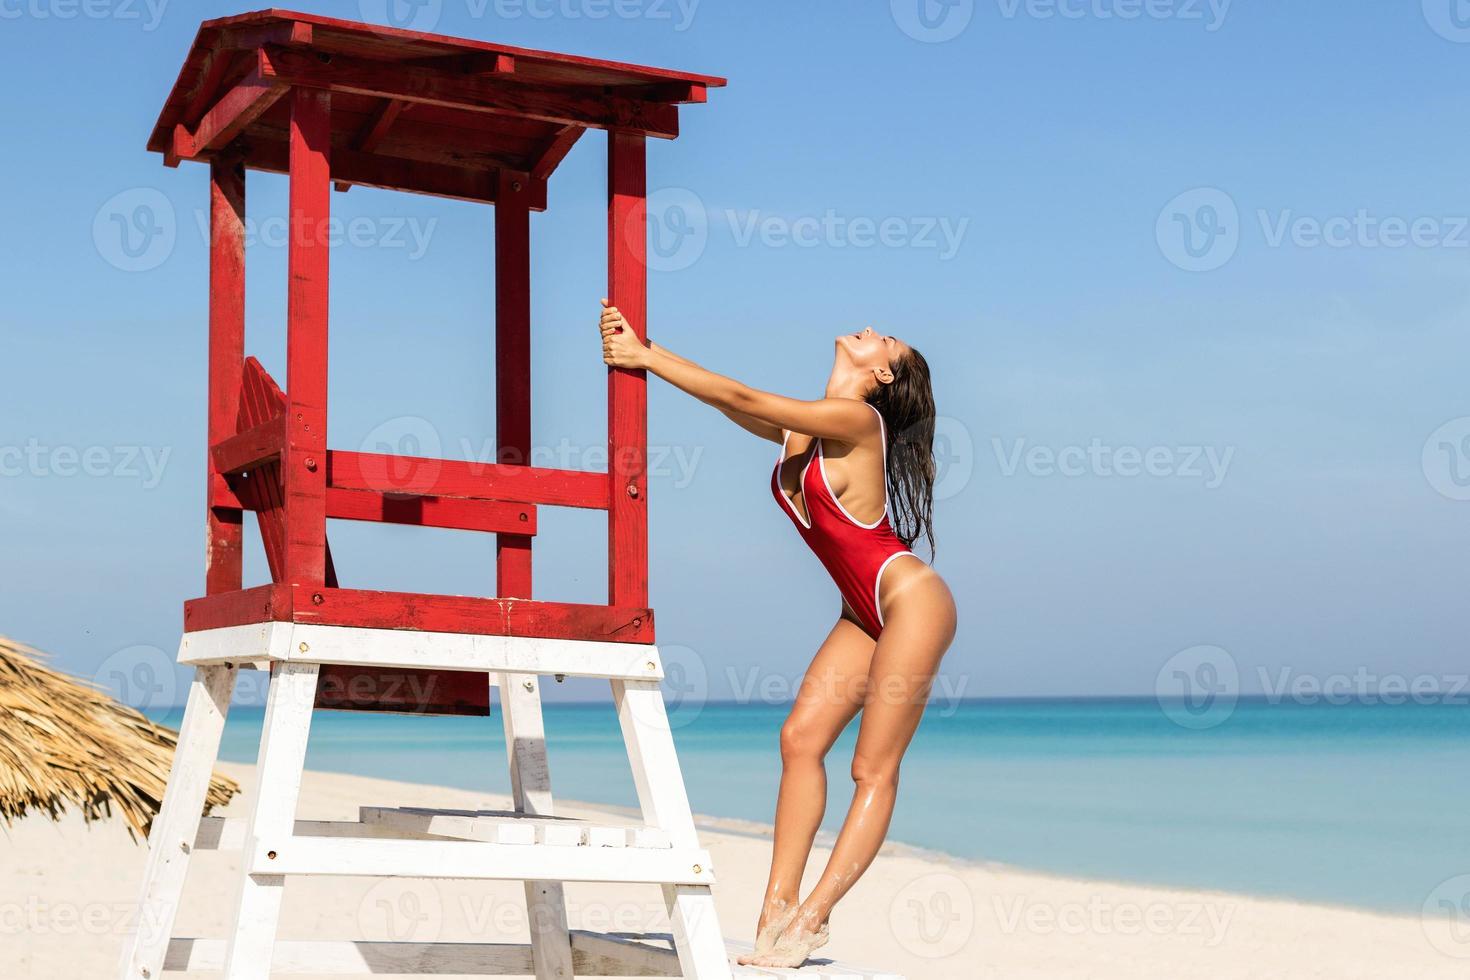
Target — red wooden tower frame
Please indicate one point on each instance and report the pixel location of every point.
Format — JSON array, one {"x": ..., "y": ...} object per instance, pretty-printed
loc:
[{"x": 338, "y": 103}]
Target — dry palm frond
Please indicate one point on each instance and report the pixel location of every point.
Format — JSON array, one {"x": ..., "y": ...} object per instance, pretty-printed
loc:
[{"x": 64, "y": 741}]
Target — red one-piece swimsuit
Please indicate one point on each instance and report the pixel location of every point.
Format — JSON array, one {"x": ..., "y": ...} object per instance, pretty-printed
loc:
[{"x": 855, "y": 554}]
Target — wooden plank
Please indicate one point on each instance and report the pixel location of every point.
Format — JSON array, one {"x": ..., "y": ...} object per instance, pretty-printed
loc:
[
  {"x": 248, "y": 37},
  {"x": 177, "y": 822},
  {"x": 217, "y": 67},
  {"x": 474, "y": 63},
  {"x": 633, "y": 957},
  {"x": 665, "y": 804},
  {"x": 473, "y": 859},
  {"x": 339, "y": 34},
  {"x": 229, "y": 117},
  {"x": 277, "y": 787},
  {"x": 252, "y": 642},
  {"x": 530, "y": 780},
  {"x": 236, "y": 646},
  {"x": 261, "y": 604},
  {"x": 592, "y": 956},
  {"x": 510, "y": 827},
  {"x": 367, "y": 170},
  {"x": 458, "y": 513},
  {"x": 349, "y": 957},
  {"x": 414, "y": 612},
  {"x": 512, "y": 364},
  {"x": 260, "y": 491},
  {"x": 455, "y": 478},
  {"x": 228, "y": 833},
  {"x": 470, "y": 614},
  {"x": 309, "y": 266},
  {"x": 556, "y": 151},
  {"x": 224, "y": 533},
  {"x": 377, "y": 127},
  {"x": 561, "y": 105},
  {"x": 680, "y": 92},
  {"x": 246, "y": 450},
  {"x": 696, "y": 926},
  {"x": 627, "y": 390}
]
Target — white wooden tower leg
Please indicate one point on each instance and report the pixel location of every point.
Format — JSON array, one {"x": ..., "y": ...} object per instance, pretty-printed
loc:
[
  {"x": 171, "y": 838},
  {"x": 530, "y": 780},
  {"x": 277, "y": 787},
  {"x": 665, "y": 804}
]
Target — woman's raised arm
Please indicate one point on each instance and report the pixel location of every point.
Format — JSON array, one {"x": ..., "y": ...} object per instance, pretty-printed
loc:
[{"x": 845, "y": 419}]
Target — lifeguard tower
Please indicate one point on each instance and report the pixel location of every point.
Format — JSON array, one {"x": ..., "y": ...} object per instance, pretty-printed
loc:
[{"x": 334, "y": 104}]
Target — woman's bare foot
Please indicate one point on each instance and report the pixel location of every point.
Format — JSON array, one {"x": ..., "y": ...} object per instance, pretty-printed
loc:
[
  {"x": 775, "y": 917},
  {"x": 802, "y": 937}
]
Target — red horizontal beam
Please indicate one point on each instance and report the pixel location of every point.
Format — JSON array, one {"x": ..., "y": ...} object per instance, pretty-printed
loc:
[
  {"x": 473, "y": 93},
  {"x": 247, "y": 37},
  {"x": 355, "y": 168},
  {"x": 257, "y": 605},
  {"x": 416, "y": 611},
  {"x": 413, "y": 475},
  {"x": 457, "y": 513},
  {"x": 248, "y": 449}
]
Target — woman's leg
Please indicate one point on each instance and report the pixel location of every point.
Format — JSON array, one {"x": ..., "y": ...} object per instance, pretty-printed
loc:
[
  {"x": 831, "y": 693},
  {"x": 915, "y": 636}
]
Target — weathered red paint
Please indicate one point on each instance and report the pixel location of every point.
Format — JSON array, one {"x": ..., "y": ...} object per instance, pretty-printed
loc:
[
  {"x": 627, "y": 391},
  {"x": 223, "y": 556},
  {"x": 330, "y": 102}
]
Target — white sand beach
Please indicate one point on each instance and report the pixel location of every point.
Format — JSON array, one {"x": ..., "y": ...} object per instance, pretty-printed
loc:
[{"x": 67, "y": 891}]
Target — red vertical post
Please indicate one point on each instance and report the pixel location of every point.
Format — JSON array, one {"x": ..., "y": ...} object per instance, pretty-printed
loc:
[
  {"x": 222, "y": 558},
  {"x": 627, "y": 391},
  {"x": 304, "y": 467},
  {"x": 513, "y": 362}
]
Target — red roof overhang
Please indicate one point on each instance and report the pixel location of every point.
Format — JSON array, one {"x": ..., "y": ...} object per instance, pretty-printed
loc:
[{"x": 410, "y": 111}]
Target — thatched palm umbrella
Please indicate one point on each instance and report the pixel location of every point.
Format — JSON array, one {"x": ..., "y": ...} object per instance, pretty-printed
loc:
[{"x": 63, "y": 741}]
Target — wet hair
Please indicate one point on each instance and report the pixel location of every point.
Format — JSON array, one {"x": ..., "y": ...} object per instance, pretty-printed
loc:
[{"x": 907, "y": 406}]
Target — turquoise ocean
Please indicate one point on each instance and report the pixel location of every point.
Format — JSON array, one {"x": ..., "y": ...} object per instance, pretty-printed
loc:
[{"x": 1364, "y": 805}]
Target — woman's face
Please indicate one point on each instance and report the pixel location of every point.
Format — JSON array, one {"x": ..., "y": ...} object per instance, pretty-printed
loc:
[{"x": 868, "y": 350}]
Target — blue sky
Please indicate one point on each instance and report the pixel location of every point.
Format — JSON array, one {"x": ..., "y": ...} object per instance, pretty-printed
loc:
[{"x": 1193, "y": 280}]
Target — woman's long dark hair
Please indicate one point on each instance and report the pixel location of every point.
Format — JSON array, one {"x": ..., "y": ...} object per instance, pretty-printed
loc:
[{"x": 907, "y": 407}]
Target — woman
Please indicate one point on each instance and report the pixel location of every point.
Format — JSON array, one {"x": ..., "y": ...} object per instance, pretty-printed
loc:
[{"x": 843, "y": 457}]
